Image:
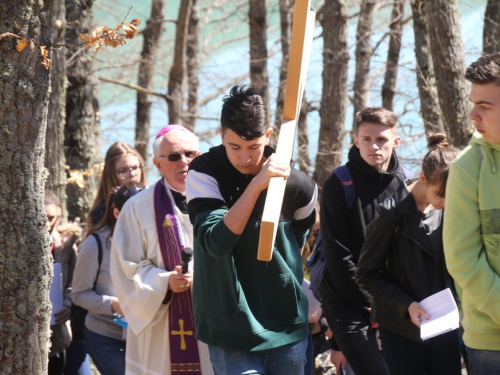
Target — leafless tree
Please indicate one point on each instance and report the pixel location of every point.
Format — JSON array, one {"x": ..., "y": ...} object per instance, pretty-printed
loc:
[
  {"x": 193, "y": 67},
  {"x": 152, "y": 34},
  {"x": 448, "y": 59},
  {"x": 25, "y": 261},
  {"x": 334, "y": 96},
  {"x": 491, "y": 28},
  {"x": 257, "y": 19}
]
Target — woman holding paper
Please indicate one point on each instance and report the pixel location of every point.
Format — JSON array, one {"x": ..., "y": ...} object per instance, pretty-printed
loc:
[
  {"x": 402, "y": 263},
  {"x": 94, "y": 291}
]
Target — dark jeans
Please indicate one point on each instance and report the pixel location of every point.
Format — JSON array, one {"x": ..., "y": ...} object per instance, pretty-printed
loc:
[
  {"x": 439, "y": 355},
  {"x": 56, "y": 364},
  {"x": 77, "y": 360},
  {"x": 107, "y": 353},
  {"x": 483, "y": 362},
  {"x": 352, "y": 330}
]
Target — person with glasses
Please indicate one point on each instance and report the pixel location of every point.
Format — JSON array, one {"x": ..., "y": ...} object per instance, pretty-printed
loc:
[
  {"x": 94, "y": 291},
  {"x": 122, "y": 164},
  {"x": 151, "y": 233}
]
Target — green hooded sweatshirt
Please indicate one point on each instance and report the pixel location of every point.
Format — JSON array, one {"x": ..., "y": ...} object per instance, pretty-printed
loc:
[{"x": 471, "y": 237}]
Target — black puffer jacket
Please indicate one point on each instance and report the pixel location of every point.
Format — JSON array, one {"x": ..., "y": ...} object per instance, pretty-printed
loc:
[{"x": 401, "y": 263}]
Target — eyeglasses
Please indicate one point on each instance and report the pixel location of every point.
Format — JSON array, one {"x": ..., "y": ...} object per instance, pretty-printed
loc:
[
  {"x": 177, "y": 156},
  {"x": 124, "y": 172}
]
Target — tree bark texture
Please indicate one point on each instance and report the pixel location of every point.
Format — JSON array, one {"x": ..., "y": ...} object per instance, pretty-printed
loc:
[
  {"x": 193, "y": 67},
  {"x": 151, "y": 34},
  {"x": 82, "y": 134},
  {"x": 447, "y": 56},
  {"x": 429, "y": 102},
  {"x": 364, "y": 51},
  {"x": 25, "y": 261},
  {"x": 257, "y": 19},
  {"x": 334, "y": 98},
  {"x": 391, "y": 72},
  {"x": 55, "y": 160},
  {"x": 178, "y": 70},
  {"x": 286, "y": 19},
  {"x": 491, "y": 28}
]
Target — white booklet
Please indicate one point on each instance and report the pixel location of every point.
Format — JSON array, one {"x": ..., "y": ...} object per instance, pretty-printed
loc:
[
  {"x": 443, "y": 312},
  {"x": 56, "y": 292},
  {"x": 314, "y": 304}
]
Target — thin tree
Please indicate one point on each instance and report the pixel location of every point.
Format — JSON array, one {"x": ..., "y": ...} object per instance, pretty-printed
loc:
[
  {"x": 151, "y": 34},
  {"x": 178, "y": 71},
  {"x": 448, "y": 58},
  {"x": 25, "y": 261},
  {"x": 257, "y": 19},
  {"x": 82, "y": 134},
  {"x": 429, "y": 102},
  {"x": 334, "y": 97},
  {"x": 286, "y": 18},
  {"x": 55, "y": 160},
  {"x": 363, "y": 53},
  {"x": 303, "y": 138},
  {"x": 391, "y": 72},
  {"x": 193, "y": 67},
  {"x": 491, "y": 28}
]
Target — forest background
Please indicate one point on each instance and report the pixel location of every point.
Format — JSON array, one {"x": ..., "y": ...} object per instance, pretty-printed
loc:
[{"x": 57, "y": 119}]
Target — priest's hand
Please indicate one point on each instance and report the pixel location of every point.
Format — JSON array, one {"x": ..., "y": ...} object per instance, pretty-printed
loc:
[
  {"x": 62, "y": 315},
  {"x": 416, "y": 312},
  {"x": 179, "y": 282}
]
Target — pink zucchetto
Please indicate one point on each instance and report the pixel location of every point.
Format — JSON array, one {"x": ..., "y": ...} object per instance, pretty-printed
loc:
[{"x": 171, "y": 127}]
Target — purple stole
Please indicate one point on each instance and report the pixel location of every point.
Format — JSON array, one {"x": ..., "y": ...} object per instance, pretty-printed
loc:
[{"x": 184, "y": 356}]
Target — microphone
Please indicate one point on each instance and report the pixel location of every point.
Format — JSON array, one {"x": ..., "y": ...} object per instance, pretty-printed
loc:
[{"x": 186, "y": 256}]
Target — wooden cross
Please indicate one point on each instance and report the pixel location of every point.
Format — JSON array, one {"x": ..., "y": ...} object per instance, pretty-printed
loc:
[
  {"x": 181, "y": 332},
  {"x": 300, "y": 52}
]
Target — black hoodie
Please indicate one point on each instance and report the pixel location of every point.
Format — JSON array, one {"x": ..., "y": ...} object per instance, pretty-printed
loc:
[{"x": 343, "y": 231}]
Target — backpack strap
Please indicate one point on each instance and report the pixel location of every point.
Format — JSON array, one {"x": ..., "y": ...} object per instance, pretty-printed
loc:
[
  {"x": 99, "y": 256},
  {"x": 344, "y": 175}
]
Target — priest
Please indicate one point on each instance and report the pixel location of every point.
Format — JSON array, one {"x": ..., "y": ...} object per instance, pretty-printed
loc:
[{"x": 155, "y": 296}]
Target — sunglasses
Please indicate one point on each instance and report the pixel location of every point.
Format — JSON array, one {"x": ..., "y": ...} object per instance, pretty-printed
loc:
[{"x": 177, "y": 156}]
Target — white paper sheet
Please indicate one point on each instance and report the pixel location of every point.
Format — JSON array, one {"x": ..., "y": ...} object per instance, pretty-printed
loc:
[
  {"x": 444, "y": 314},
  {"x": 314, "y": 304},
  {"x": 56, "y": 294}
]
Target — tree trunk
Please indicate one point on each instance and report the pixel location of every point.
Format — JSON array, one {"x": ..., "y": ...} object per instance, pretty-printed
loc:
[
  {"x": 25, "y": 261},
  {"x": 429, "y": 102},
  {"x": 152, "y": 34},
  {"x": 178, "y": 70},
  {"x": 491, "y": 28},
  {"x": 193, "y": 67},
  {"x": 334, "y": 98},
  {"x": 82, "y": 134},
  {"x": 447, "y": 55},
  {"x": 55, "y": 160},
  {"x": 259, "y": 77},
  {"x": 364, "y": 52},
  {"x": 286, "y": 18},
  {"x": 303, "y": 138},
  {"x": 391, "y": 72}
]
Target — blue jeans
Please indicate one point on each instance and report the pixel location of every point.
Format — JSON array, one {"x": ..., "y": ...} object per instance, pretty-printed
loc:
[
  {"x": 482, "y": 362},
  {"x": 439, "y": 355},
  {"x": 107, "y": 353},
  {"x": 288, "y": 359}
]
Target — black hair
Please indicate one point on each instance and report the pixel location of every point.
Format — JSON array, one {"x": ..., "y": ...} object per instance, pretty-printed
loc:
[
  {"x": 485, "y": 70},
  {"x": 244, "y": 112}
]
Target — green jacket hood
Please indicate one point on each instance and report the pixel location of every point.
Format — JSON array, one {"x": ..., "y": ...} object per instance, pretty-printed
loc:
[{"x": 486, "y": 149}]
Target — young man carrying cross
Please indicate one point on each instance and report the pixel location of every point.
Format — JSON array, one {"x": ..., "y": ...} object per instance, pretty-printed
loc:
[{"x": 252, "y": 314}]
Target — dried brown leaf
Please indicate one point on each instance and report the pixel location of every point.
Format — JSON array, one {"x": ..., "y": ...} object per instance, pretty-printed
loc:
[
  {"x": 45, "y": 53},
  {"x": 21, "y": 44},
  {"x": 131, "y": 29}
]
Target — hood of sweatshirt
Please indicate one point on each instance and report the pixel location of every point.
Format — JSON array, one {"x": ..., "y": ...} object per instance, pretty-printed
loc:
[{"x": 486, "y": 149}]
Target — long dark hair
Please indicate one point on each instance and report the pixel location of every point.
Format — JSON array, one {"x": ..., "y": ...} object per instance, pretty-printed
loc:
[{"x": 116, "y": 199}]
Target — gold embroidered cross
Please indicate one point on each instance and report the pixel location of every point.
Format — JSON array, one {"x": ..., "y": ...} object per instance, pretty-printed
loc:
[{"x": 181, "y": 332}]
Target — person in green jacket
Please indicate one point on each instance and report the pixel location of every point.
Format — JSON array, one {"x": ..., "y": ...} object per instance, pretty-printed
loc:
[{"x": 471, "y": 232}]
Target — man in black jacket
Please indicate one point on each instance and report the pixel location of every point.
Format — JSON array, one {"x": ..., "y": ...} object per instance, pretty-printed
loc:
[{"x": 375, "y": 172}]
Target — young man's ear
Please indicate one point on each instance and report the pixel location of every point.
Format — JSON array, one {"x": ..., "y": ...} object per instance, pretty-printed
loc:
[
  {"x": 397, "y": 142},
  {"x": 268, "y": 135},
  {"x": 356, "y": 140},
  {"x": 221, "y": 132}
]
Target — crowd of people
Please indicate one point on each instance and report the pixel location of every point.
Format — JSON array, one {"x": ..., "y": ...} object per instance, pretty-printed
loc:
[{"x": 377, "y": 242}]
